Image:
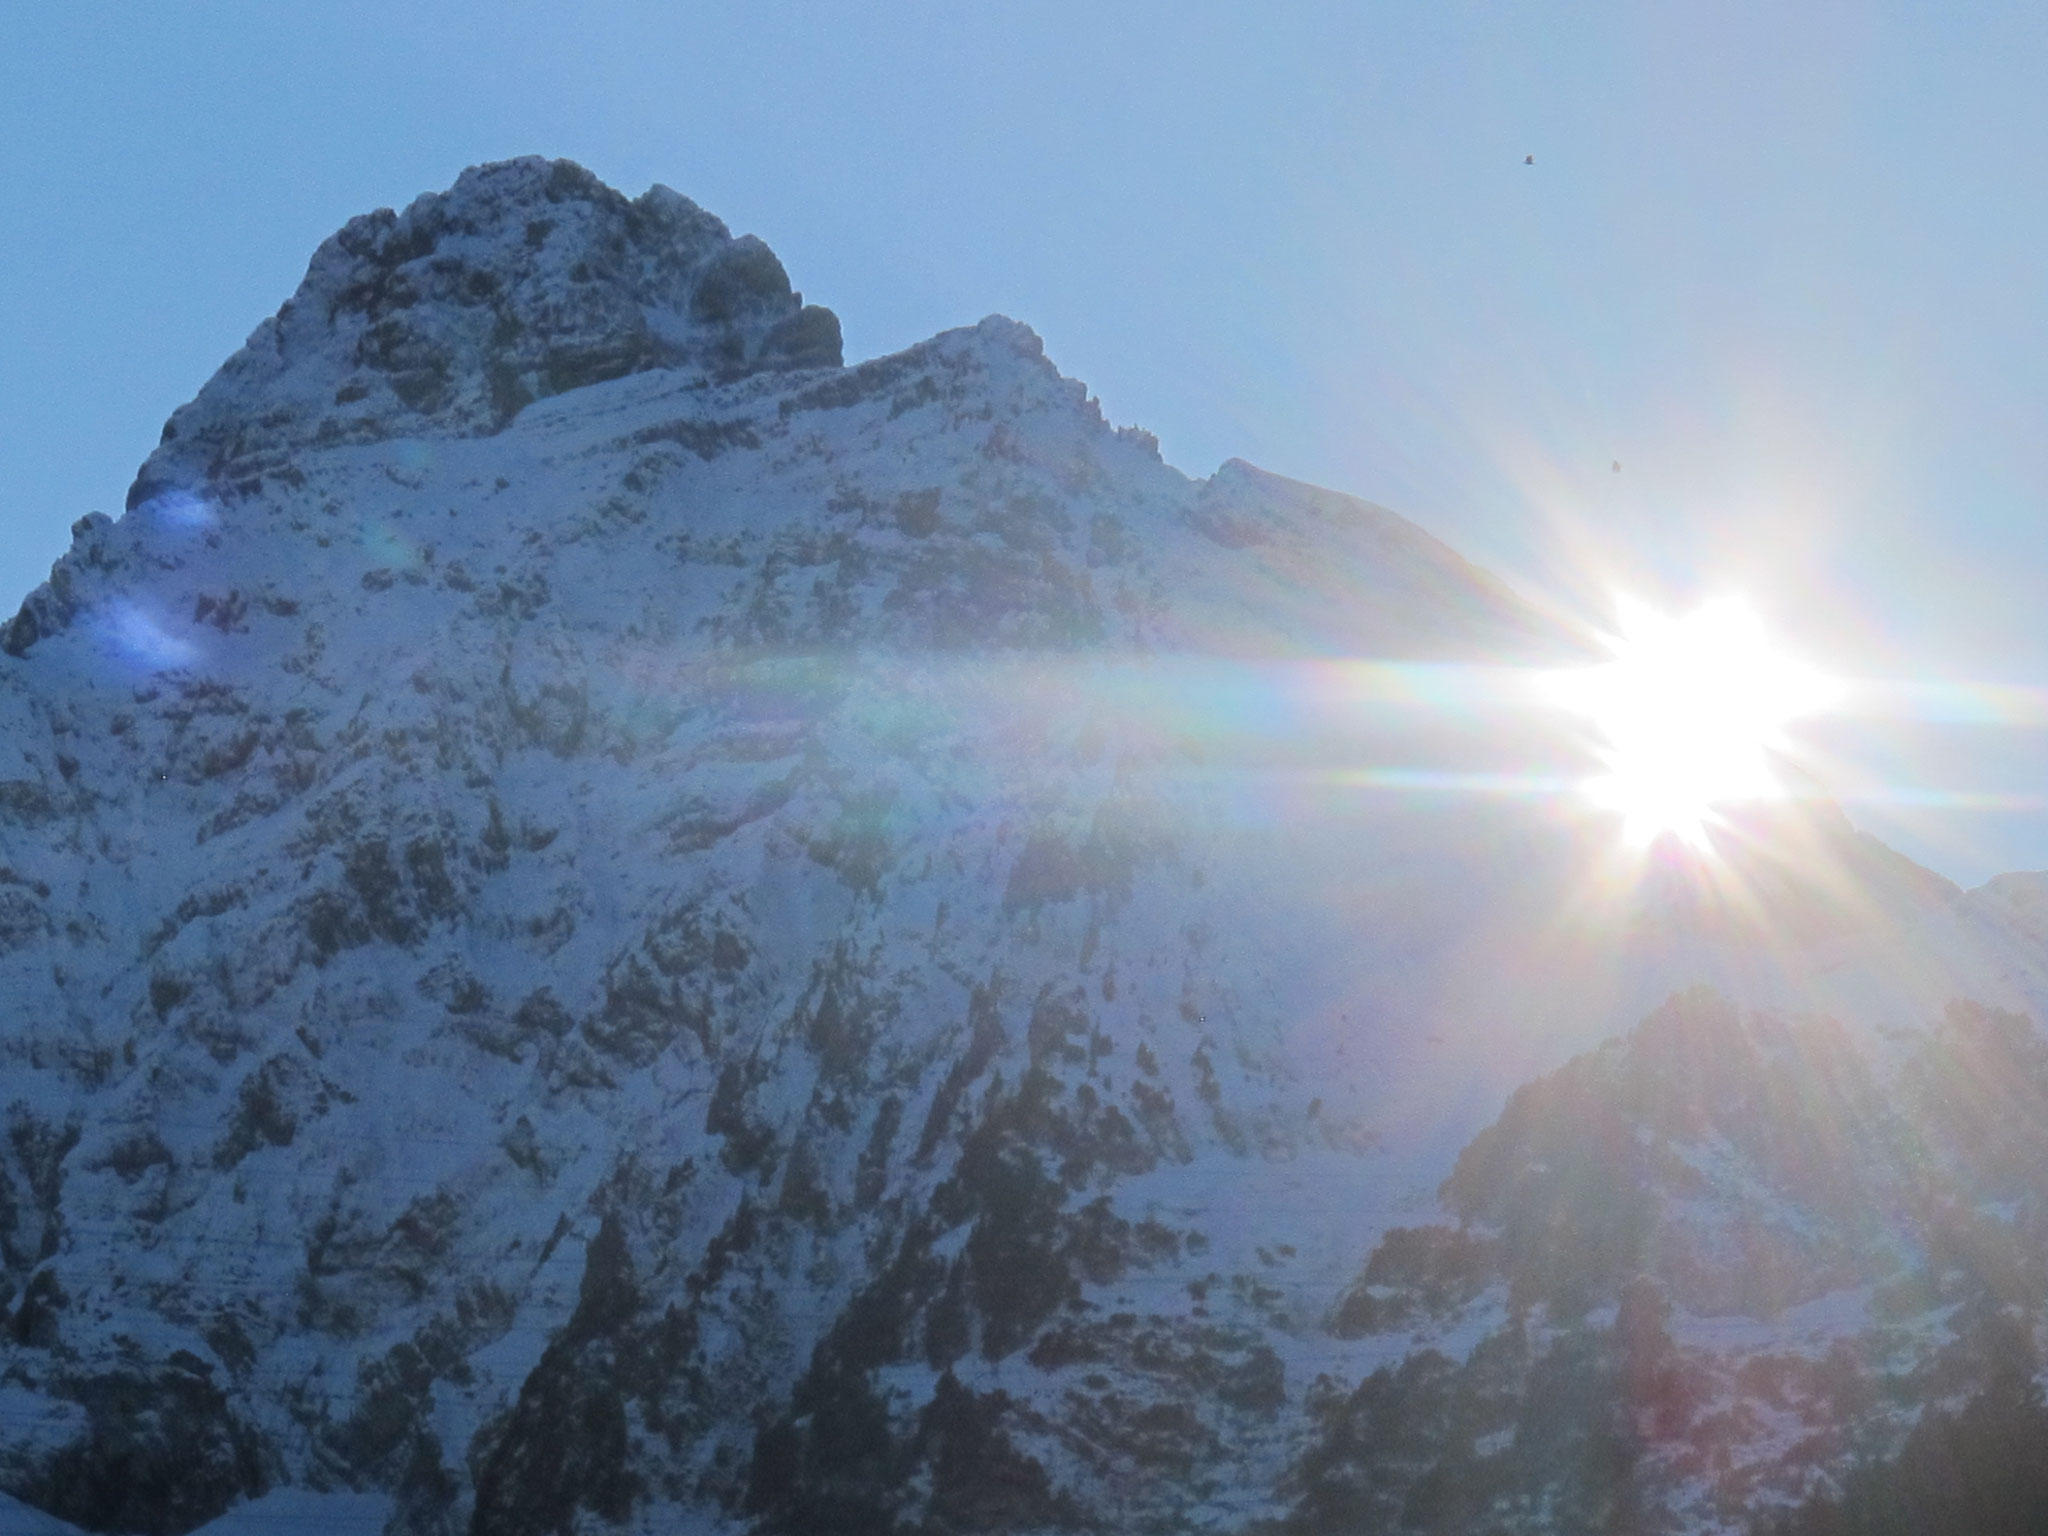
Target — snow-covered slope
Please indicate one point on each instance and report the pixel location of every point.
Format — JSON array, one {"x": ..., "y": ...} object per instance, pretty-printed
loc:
[{"x": 609, "y": 924}]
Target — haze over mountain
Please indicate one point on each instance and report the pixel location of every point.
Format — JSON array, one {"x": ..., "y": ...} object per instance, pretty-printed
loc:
[{"x": 610, "y": 924}]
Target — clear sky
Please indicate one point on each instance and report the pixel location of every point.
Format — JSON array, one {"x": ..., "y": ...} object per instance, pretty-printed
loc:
[{"x": 1784, "y": 263}]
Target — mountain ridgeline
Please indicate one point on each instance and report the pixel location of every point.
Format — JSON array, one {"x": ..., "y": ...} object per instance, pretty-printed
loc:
[{"x": 609, "y": 924}]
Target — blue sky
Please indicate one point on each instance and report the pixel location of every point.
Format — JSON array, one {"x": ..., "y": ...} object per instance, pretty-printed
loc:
[{"x": 1784, "y": 263}]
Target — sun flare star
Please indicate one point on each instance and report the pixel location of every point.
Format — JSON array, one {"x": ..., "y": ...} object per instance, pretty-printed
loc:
[{"x": 1689, "y": 714}]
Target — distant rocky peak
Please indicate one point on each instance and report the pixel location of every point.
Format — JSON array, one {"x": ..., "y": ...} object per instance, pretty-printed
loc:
[{"x": 525, "y": 279}]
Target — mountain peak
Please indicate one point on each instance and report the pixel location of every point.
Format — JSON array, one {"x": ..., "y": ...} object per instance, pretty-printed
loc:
[
  {"x": 851, "y": 949},
  {"x": 527, "y": 278}
]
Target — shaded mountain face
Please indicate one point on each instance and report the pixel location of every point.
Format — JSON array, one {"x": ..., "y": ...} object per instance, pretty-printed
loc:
[{"x": 607, "y": 924}]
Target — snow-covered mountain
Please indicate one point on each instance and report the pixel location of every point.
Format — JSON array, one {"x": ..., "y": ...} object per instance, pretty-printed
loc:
[{"x": 609, "y": 924}]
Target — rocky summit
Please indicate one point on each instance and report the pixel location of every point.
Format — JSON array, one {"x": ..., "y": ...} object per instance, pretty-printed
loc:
[{"x": 608, "y": 924}]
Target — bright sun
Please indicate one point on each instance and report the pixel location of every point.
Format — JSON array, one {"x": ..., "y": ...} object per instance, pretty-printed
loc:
[{"x": 1688, "y": 714}]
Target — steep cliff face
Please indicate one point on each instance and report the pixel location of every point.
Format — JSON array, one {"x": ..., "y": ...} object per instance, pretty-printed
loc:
[{"x": 609, "y": 924}]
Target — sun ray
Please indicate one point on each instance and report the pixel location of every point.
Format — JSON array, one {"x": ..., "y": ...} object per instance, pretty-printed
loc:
[{"x": 1689, "y": 714}]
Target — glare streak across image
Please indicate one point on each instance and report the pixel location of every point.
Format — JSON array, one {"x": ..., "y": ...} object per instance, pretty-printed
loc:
[{"x": 1689, "y": 714}]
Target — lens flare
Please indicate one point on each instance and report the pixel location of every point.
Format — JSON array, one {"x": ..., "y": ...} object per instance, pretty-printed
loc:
[
  {"x": 182, "y": 509},
  {"x": 1689, "y": 715},
  {"x": 139, "y": 636}
]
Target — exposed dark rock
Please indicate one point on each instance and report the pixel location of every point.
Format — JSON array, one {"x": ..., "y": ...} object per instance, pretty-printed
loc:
[
  {"x": 563, "y": 1447},
  {"x": 161, "y": 1455}
]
